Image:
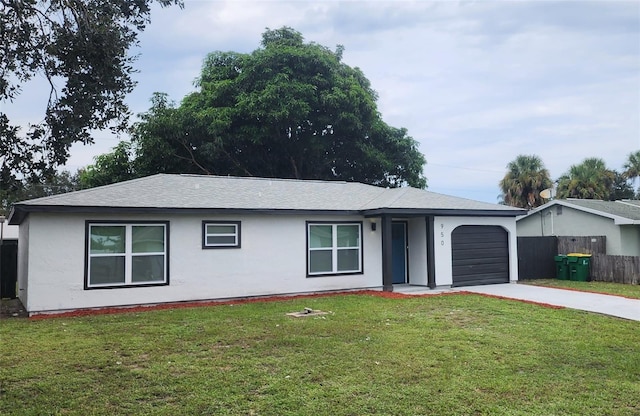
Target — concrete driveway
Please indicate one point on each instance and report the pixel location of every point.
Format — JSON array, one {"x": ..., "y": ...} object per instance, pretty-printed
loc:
[{"x": 592, "y": 302}]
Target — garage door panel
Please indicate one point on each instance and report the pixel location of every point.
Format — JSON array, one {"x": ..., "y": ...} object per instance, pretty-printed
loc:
[
  {"x": 484, "y": 238},
  {"x": 480, "y": 255},
  {"x": 495, "y": 262},
  {"x": 486, "y": 280},
  {"x": 481, "y": 268},
  {"x": 466, "y": 245}
]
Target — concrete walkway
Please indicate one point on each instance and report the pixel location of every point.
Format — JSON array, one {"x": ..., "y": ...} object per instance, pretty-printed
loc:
[{"x": 592, "y": 302}]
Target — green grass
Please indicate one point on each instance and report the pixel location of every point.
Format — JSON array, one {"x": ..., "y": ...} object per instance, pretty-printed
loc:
[
  {"x": 631, "y": 291},
  {"x": 443, "y": 355}
]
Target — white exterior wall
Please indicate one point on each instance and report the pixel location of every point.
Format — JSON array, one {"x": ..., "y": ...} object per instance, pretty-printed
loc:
[
  {"x": 272, "y": 260},
  {"x": 10, "y": 232},
  {"x": 23, "y": 261},
  {"x": 444, "y": 226},
  {"x": 629, "y": 240},
  {"x": 417, "y": 236}
]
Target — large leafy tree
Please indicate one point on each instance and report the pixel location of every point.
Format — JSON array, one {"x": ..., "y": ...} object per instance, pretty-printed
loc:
[
  {"x": 81, "y": 47},
  {"x": 590, "y": 179},
  {"x": 111, "y": 167},
  {"x": 526, "y": 176},
  {"x": 289, "y": 109}
]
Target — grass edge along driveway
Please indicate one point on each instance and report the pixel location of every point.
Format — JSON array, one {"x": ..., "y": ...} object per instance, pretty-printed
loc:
[{"x": 607, "y": 288}]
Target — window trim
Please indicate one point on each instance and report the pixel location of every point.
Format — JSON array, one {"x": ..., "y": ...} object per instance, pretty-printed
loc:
[
  {"x": 238, "y": 235},
  {"x": 128, "y": 224},
  {"x": 335, "y": 248}
]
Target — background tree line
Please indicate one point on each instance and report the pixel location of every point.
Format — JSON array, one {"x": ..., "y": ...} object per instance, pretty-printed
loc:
[
  {"x": 527, "y": 176},
  {"x": 290, "y": 109}
]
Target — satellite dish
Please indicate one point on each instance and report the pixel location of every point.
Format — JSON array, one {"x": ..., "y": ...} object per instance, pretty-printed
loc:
[{"x": 547, "y": 193}]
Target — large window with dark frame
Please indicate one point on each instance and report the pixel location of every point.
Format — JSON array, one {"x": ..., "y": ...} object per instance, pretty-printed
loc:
[
  {"x": 334, "y": 248},
  {"x": 126, "y": 254},
  {"x": 220, "y": 234}
]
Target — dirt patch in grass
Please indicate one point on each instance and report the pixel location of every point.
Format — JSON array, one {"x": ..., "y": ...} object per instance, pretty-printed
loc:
[
  {"x": 198, "y": 304},
  {"x": 12, "y": 308},
  {"x": 241, "y": 301}
]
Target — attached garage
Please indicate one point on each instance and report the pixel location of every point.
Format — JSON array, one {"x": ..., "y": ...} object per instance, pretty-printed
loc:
[{"x": 480, "y": 255}]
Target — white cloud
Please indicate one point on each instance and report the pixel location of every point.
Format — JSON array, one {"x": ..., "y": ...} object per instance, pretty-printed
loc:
[{"x": 476, "y": 83}]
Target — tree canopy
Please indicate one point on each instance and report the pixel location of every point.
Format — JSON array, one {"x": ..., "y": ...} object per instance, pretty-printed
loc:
[
  {"x": 289, "y": 109},
  {"x": 526, "y": 176},
  {"x": 80, "y": 45},
  {"x": 632, "y": 167},
  {"x": 590, "y": 179}
]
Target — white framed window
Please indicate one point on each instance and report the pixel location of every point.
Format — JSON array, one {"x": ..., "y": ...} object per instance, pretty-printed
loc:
[
  {"x": 334, "y": 248},
  {"x": 126, "y": 254},
  {"x": 221, "y": 234}
]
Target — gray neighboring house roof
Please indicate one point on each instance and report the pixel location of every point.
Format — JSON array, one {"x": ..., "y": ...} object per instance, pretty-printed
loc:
[
  {"x": 624, "y": 212},
  {"x": 163, "y": 193}
]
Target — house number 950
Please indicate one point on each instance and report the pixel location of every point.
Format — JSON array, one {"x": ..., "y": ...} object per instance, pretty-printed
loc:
[{"x": 442, "y": 234}]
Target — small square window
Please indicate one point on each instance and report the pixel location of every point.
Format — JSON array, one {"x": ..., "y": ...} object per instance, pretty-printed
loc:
[{"x": 221, "y": 234}]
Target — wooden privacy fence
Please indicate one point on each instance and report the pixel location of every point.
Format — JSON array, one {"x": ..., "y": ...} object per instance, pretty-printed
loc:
[
  {"x": 536, "y": 258},
  {"x": 617, "y": 269},
  {"x": 586, "y": 245}
]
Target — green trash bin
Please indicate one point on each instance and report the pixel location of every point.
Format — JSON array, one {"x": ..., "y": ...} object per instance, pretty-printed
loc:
[
  {"x": 579, "y": 265},
  {"x": 562, "y": 267}
]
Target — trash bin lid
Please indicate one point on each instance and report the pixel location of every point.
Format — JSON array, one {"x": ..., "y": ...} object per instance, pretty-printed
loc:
[{"x": 578, "y": 255}]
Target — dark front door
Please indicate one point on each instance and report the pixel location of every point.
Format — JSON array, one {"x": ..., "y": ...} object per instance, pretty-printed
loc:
[{"x": 399, "y": 252}]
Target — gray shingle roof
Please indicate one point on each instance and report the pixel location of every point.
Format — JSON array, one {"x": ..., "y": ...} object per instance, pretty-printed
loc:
[
  {"x": 164, "y": 191},
  {"x": 625, "y": 209},
  {"x": 622, "y": 212}
]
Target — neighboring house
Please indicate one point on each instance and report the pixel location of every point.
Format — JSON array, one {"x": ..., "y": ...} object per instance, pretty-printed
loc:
[
  {"x": 9, "y": 232},
  {"x": 171, "y": 238},
  {"x": 618, "y": 221}
]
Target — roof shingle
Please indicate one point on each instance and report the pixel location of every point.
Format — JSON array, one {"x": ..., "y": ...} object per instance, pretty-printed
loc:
[{"x": 220, "y": 192}]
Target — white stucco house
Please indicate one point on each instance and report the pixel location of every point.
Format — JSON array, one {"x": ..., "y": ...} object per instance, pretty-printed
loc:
[
  {"x": 173, "y": 238},
  {"x": 618, "y": 221}
]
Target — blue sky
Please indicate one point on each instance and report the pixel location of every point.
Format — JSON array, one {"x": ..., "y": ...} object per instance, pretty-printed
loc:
[{"x": 476, "y": 83}]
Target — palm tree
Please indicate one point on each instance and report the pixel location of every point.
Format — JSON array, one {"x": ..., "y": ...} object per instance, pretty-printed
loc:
[
  {"x": 525, "y": 178},
  {"x": 632, "y": 167},
  {"x": 588, "y": 180}
]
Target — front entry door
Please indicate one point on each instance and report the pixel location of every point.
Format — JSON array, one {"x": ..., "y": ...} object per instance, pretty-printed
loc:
[{"x": 399, "y": 252}]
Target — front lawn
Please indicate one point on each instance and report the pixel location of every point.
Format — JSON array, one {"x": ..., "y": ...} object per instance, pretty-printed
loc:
[
  {"x": 441, "y": 355},
  {"x": 630, "y": 291}
]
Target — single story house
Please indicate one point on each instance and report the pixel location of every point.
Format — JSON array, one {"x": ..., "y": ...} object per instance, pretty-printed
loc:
[
  {"x": 172, "y": 238},
  {"x": 618, "y": 221}
]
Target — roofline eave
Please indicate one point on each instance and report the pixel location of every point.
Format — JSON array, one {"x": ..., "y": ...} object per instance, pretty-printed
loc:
[
  {"x": 20, "y": 211},
  {"x": 444, "y": 212}
]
